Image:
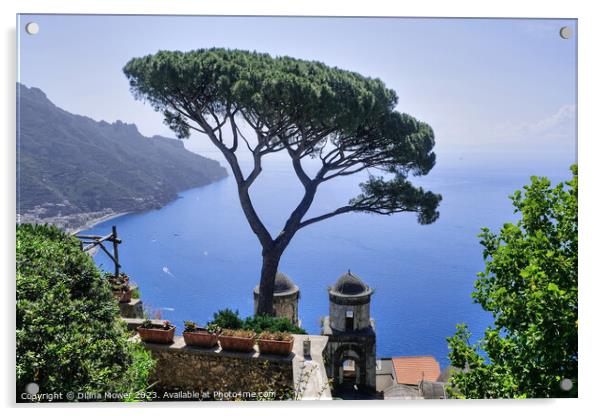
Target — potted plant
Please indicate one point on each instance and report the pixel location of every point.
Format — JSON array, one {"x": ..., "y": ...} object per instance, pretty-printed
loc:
[
  {"x": 237, "y": 340},
  {"x": 279, "y": 343},
  {"x": 198, "y": 336},
  {"x": 120, "y": 286},
  {"x": 156, "y": 333}
]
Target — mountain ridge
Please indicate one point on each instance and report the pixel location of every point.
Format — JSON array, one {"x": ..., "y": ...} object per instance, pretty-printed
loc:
[{"x": 72, "y": 170}]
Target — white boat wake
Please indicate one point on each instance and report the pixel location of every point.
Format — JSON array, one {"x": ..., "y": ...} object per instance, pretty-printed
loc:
[{"x": 167, "y": 271}]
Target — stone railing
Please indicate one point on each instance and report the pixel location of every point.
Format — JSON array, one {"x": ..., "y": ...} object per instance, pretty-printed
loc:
[{"x": 193, "y": 373}]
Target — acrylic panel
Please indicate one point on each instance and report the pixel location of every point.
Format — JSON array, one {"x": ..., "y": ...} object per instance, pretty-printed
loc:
[{"x": 287, "y": 208}]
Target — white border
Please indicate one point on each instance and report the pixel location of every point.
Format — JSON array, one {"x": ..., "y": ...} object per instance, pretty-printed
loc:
[{"x": 590, "y": 34}]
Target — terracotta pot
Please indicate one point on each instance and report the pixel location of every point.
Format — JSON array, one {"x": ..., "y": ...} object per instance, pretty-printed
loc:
[
  {"x": 119, "y": 280},
  {"x": 203, "y": 339},
  {"x": 268, "y": 346},
  {"x": 157, "y": 335},
  {"x": 231, "y": 343},
  {"x": 123, "y": 296}
]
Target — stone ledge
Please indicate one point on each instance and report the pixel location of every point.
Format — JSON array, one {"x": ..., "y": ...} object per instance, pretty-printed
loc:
[
  {"x": 179, "y": 346},
  {"x": 133, "y": 323},
  {"x": 132, "y": 309},
  {"x": 315, "y": 386}
]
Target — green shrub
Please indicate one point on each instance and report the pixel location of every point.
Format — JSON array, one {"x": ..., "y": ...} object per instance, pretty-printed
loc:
[
  {"x": 69, "y": 337},
  {"x": 265, "y": 323},
  {"x": 136, "y": 293},
  {"x": 136, "y": 378},
  {"x": 227, "y": 319},
  {"x": 190, "y": 326}
]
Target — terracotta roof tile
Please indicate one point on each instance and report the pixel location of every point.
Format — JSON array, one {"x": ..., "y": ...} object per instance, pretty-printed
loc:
[{"x": 412, "y": 370}]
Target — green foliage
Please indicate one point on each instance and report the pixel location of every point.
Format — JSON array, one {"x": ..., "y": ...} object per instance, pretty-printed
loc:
[
  {"x": 297, "y": 106},
  {"x": 136, "y": 378},
  {"x": 266, "y": 323},
  {"x": 119, "y": 283},
  {"x": 382, "y": 196},
  {"x": 69, "y": 337},
  {"x": 530, "y": 287},
  {"x": 190, "y": 326},
  {"x": 303, "y": 109},
  {"x": 136, "y": 293},
  {"x": 229, "y": 319},
  {"x": 307, "y": 90},
  {"x": 147, "y": 323},
  {"x": 214, "y": 329}
]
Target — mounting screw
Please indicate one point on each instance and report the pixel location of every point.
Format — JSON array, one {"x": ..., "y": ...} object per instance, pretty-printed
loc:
[{"x": 566, "y": 32}]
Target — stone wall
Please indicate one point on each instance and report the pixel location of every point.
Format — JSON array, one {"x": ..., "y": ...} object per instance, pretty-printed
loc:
[
  {"x": 217, "y": 374},
  {"x": 132, "y": 309}
]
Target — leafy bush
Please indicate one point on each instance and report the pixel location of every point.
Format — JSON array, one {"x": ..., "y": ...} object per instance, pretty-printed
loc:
[
  {"x": 148, "y": 324},
  {"x": 530, "y": 286},
  {"x": 265, "y": 323},
  {"x": 190, "y": 326},
  {"x": 214, "y": 329},
  {"x": 229, "y": 319},
  {"x": 69, "y": 337},
  {"x": 136, "y": 378},
  {"x": 136, "y": 293},
  {"x": 226, "y": 318}
]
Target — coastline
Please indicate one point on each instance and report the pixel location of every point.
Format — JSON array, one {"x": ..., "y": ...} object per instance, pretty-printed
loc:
[
  {"x": 95, "y": 221},
  {"x": 76, "y": 223}
]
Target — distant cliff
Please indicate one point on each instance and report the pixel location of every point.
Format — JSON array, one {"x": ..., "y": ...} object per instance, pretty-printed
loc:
[{"x": 72, "y": 170}]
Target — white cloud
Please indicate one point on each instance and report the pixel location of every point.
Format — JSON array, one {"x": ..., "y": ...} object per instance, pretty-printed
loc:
[
  {"x": 559, "y": 125},
  {"x": 561, "y": 120}
]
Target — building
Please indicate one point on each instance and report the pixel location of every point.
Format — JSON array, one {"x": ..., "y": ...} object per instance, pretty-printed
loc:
[
  {"x": 417, "y": 377},
  {"x": 286, "y": 298},
  {"x": 350, "y": 354},
  {"x": 413, "y": 370}
]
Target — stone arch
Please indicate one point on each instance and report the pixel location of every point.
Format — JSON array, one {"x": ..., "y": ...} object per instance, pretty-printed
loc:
[{"x": 350, "y": 352}]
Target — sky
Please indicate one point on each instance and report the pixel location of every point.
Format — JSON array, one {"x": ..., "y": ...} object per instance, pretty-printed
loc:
[{"x": 492, "y": 89}]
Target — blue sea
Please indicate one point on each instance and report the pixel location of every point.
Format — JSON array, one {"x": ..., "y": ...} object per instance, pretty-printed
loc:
[{"x": 198, "y": 255}]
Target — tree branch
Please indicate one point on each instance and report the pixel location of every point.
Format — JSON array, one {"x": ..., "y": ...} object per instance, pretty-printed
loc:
[
  {"x": 255, "y": 222},
  {"x": 338, "y": 211}
]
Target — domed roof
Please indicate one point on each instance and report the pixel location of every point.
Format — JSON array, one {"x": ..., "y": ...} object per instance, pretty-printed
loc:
[
  {"x": 350, "y": 284},
  {"x": 282, "y": 284}
]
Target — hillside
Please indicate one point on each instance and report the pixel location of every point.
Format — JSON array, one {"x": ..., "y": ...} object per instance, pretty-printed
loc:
[{"x": 72, "y": 169}]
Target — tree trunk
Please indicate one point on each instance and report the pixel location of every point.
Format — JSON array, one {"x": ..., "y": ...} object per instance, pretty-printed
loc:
[{"x": 269, "y": 268}]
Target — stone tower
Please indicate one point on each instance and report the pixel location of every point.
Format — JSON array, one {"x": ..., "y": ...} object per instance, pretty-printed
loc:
[
  {"x": 286, "y": 298},
  {"x": 350, "y": 354}
]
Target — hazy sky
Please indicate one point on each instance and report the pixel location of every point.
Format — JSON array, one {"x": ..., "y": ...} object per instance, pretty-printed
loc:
[{"x": 502, "y": 88}]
